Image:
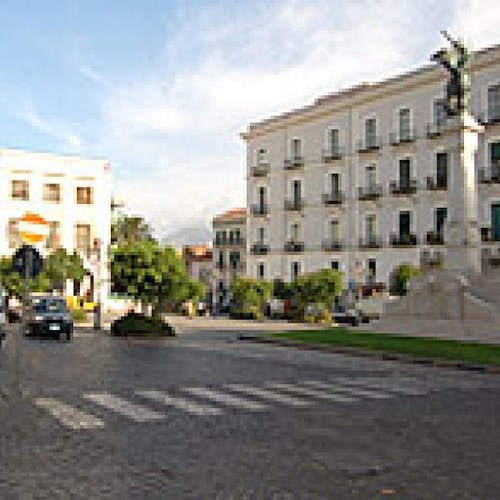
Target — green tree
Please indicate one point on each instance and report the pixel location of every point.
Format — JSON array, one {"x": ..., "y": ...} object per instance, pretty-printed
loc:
[
  {"x": 150, "y": 273},
  {"x": 249, "y": 296},
  {"x": 13, "y": 282},
  {"x": 60, "y": 266},
  {"x": 129, "y": 229},
  {"x": 319, "y": 287},
  {"x": 400, "y": 277}
]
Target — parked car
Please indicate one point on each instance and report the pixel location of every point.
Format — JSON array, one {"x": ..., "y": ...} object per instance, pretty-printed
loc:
[
  {"x": 49, "y": 316},
  {"x": 3, "y": 315},
  {"x": 352, "y": 316}
]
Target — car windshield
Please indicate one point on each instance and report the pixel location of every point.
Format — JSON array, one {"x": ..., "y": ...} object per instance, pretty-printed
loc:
[{"x": 57, "y": 306}]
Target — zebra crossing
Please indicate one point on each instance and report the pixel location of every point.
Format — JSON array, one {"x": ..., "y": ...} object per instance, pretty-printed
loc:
[{"x": 153, "y": 405}]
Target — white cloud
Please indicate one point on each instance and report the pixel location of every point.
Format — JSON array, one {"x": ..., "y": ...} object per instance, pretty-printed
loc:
[{"x": 175, "y": 130}]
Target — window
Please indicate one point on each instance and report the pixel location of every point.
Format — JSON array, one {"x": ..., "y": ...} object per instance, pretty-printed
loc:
[
  {"x": 442, "y": 170},
  {"x": 440, "y": 113},
  {"x": 295, "y": 232},
  {"x": 333, "y": 141},
  {"x": 404, "y": 125},
  {"x": 53, "y": 240},
  {"x": 262, "y": 197},
  {"x": 334, "y": 183},
  {"x": 52, "y": 193},
  {"x": 495, "y": 221},
  {"x": 20, "y": 190},
  {"x": 234, "y": 258},
  {"x": 404, "y": 172},
  {"x": 83, "y": 238},
  {"x": 84, "y": 196},
  {"x": 404, "y": 224},
  {"x": 495, "y": 159},
  {"x": 221, "y": 259},
  {"x": 440, "y": 218},
  {"x": 296, "y": 191},
  {"x": 370, "y": 227},
  {"x": 261, "y": 271},
  {"x": 261, "y": 157},
  {"x": 335, "y": 265},
  {"x": 494, "y": 103},
  {"x": 262, "y": 235},
  {"x": 220, "y": 237},
  {"x": 371, "y": 176},
  {"x": 13, "y": 234},
  {"x": 371, "y": 266},
  {"x": 296, "y": 148},
  {"x": 295, "y": 270},
  {"x": 334, "y": 228},
  {"x": 371, "y": 133}
]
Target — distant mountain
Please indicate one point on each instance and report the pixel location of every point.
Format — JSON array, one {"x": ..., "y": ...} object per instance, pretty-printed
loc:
[{"x": 189, "y": 235}]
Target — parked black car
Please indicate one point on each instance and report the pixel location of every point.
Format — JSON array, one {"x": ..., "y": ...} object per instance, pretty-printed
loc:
[{"x": 49, "y": 316}]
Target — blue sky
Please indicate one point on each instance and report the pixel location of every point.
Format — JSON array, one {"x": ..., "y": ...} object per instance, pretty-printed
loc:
[{"x": 162, "y": 89}]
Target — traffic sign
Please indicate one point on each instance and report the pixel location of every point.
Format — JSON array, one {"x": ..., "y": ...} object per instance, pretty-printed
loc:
[
  {"x": 33, "y": 228},
  {"x": 27, "y": 257}
]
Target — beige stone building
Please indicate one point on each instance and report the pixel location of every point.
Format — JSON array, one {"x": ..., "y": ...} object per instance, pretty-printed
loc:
[
  {"x": 229, "y": 253},
  {"x": 358, "y": 180}
]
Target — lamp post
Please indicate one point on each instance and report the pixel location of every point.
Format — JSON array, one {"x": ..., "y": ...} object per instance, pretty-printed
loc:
[{"x": 97, "y": 284}]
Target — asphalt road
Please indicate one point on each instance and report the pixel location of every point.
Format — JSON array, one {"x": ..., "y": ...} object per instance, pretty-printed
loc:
[{"x": 205, "y": 416}]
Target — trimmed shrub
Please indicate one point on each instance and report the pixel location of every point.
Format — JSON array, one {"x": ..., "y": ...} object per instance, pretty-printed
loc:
[
  {"x": 78, "y": 316},
  {"x": 400, "y": 277},
  {"x": 136, "y": 324}
]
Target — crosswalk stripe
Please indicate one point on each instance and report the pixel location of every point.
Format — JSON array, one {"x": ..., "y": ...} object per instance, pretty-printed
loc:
[
  {"x": 306, "y": 391},
  {"x": 68, "y": 415},
  {"x": 351, "y": 390},
  {"x": 123, "y": 407},
  {"x": 228, "y": 399},
  {"x": 181, "y": 403},
  {"x": 387, "y": 385},
  {"x": 267, "y": 394}
]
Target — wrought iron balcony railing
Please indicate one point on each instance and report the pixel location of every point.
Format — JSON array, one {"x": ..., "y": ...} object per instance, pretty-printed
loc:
[
  {"x": 332, "y": 245},
  {"x": 294, "y": 204},
  {"x": 330, "y": 155},
  {"x": 434, "y": 238},
  {"x": 259, "y": 249},
  {"x": 366, "y": 146},
  {"x": 404, "y": 187},
  {"x": 333, "y": 198},
  {"x": 434, "y": 130},
  {"x": 293, "y": 163},
  {"x": 398, "y": 138},
  {"x": 371, "y": 241},
  {"x": 437, "y": 185},
  {"x": 489, "y": 177},
  {"x": 403, "y": 240},
  {"x": 260, "y": 170},
  {"x": 259, "y": 209},
  {"x": 294, "y": 246},
  {"x": 370, "y": 192}
]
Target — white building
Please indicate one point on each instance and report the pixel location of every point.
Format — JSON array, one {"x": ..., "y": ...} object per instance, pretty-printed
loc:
[
  {"x": 229, "y": 252},
  {"x": 358, "y": 180},
  {"x": 73, "y": 194}
]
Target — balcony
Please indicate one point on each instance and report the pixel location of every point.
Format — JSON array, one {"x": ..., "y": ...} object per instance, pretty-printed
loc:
[
  {"x": 294, "y": 205},
  {"x": 434, "y": 130},
  {"x": 434, "y": 238},
  {"x": 487, "y": 235},
  {"x": 369, "y": 146},
  {"x": 436, "y": 185},
  {"x": 430, "y": 259},
  {"x": 399, "y": 139},
  {"x": 236, "y": 242},
  {"x": 260, "y": 170},
  {"x": 333, "y": 198},
  {"x": 491, "y": 257},
  {"x": 492, "y": 178},
  {"x": 486, "y": 120},
  {"x": 403, "y": 240},
  {"x": 370, "y": 241},
  {"x": 221, "y": 265},
  {"x": 331, "y": 155},
  {"x": 294, "y": 163},
  {"x": 259, "y": 210},
  {"x": 259, "y": 249},
  {"x": 370, "y": 192},
  {"x": 218, "y": 242},
  {"x": 332, "y": 245},
  {"x": 403, "y": 188},
  {"x": 294, "y": 246}
]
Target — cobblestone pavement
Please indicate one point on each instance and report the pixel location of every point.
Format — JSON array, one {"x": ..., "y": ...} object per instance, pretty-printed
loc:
[{"x": 205, "y": 416}]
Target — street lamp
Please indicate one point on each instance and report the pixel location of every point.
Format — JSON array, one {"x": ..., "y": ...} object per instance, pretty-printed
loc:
[{"x": 97, "y": 258}]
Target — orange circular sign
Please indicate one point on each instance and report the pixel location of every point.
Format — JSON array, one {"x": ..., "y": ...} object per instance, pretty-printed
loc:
[{"x": 33, "y": 228}]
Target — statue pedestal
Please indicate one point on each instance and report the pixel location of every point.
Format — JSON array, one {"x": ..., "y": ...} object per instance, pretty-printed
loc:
[{"x": 461, "y": 228}]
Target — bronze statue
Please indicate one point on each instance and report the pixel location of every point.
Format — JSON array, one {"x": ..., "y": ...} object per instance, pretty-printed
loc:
[{"x": 456, "y": 60}]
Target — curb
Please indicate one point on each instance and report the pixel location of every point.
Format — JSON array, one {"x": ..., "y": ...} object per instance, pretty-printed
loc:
[{"x": 382, "y": 355}]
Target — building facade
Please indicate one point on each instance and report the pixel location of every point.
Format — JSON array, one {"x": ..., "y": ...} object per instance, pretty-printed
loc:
[
  {"x": 199, "y": 263},
  {"x": 73, "y": 194},
  {"x": 229, "y": 252},
  {"x": 358, "y": 181}
]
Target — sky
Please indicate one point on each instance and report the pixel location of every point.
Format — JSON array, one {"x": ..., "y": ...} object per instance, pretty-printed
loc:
[{"x": 163, "y": 88}]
